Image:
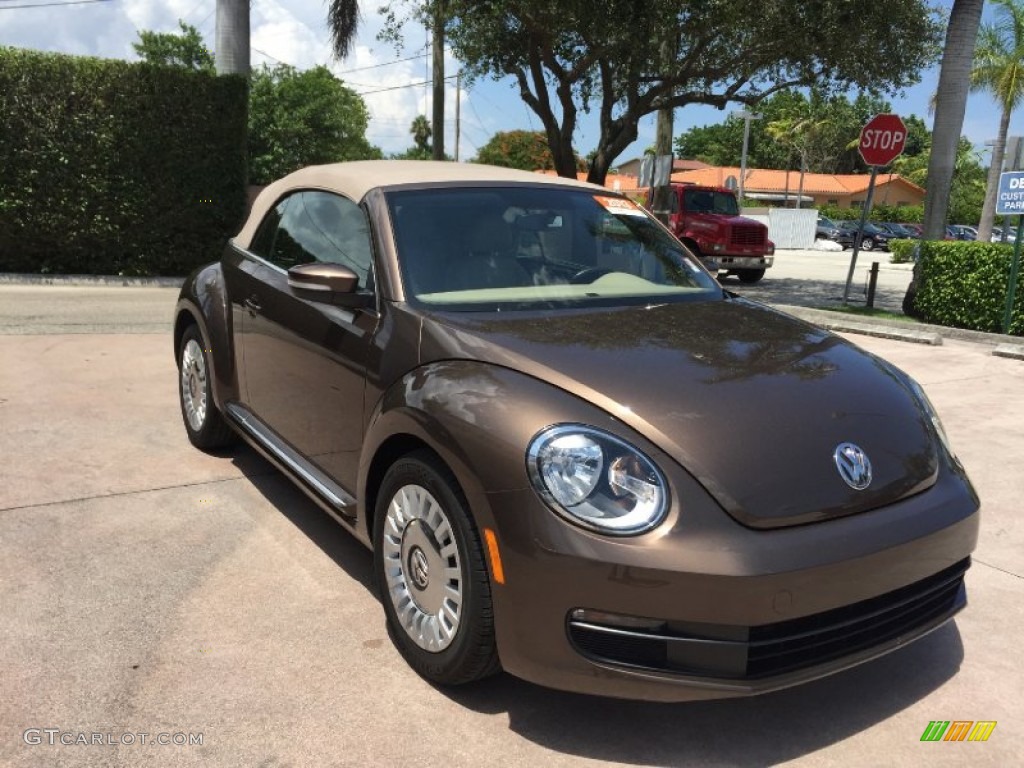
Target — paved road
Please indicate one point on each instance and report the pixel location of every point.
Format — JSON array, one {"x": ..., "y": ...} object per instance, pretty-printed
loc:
[
  {"x": 817, "y": 279},
  {"x": 147, "y": 587}
]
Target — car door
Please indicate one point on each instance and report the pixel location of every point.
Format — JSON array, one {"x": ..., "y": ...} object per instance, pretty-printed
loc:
[{"x": 305, "y": 360}]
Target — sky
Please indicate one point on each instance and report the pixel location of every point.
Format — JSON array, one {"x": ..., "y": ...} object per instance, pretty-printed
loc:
[{"x": 295, "y": 32}]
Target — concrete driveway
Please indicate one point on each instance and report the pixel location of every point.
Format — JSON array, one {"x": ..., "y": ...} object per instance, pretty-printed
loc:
[{"x": 147, "y": 588}]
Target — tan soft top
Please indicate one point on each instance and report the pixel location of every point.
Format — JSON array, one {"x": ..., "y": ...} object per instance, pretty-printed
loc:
[{"x": 354, "y": 180}]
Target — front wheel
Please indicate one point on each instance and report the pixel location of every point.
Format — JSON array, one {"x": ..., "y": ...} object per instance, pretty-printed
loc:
[
  {"x": 749, "y": 275},
  {"x": 204, "y": 424},
  {"x": 432, "y": 576}
]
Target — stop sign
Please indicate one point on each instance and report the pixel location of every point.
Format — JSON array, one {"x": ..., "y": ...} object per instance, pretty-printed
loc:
[{"x": 882, "y": 139}]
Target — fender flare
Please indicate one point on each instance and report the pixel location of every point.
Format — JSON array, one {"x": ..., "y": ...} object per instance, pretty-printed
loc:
[{"x": 204, "y": 301}]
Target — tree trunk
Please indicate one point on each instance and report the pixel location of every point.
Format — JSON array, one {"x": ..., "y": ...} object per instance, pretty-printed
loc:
[
  {"x": 950, "y": 106},
  {"x": 988, "y": 210},
  {"x": 232, "y": 35},
  {"x": 437, "y": 56}
]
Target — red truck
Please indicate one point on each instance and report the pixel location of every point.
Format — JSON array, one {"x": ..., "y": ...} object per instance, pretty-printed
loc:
[{"x": 707, "y": 220}]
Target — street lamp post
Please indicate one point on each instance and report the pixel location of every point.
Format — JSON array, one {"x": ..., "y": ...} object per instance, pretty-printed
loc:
[{"x": 747, "y": 116}]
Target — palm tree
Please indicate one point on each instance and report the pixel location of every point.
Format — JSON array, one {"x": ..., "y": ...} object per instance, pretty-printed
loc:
[
  {"x": 232, "y": 37},
  {"x": 950, "y": 106},
  {"x": 999, "y": 70},
  {"x": 421, "y": 133},
  {"x": 798, "y": 131},
  {"x": 342, "y": 21}
]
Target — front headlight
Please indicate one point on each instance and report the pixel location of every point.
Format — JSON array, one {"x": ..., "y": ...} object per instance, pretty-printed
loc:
[{"x": 596, "y": 480}]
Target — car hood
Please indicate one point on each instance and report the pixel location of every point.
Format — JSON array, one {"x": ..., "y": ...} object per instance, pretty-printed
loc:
[{"x": 752, "y": 402}]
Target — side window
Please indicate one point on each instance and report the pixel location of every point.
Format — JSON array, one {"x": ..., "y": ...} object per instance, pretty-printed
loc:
[
  {"x": 263, "y": 240},
  {"x": 320, "y": 226}
]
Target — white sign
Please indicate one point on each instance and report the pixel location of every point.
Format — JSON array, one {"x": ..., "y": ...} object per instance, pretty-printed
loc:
[{"x": 1010, "y": 199}]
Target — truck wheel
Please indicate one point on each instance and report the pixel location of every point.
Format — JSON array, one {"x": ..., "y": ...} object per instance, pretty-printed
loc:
[{"x": 749, "y": 275}]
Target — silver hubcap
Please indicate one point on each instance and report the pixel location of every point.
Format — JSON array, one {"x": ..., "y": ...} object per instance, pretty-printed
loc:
[
  {"x": 193, "y": 384},
  {"x": 422, "y": 568}
]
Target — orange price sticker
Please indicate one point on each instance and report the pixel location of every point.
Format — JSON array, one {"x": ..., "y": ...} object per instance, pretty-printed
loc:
[{"x": 619, "y": 206}]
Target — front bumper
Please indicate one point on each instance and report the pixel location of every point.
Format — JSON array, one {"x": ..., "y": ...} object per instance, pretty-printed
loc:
[
  {"x": 710, "y": 609},
  {"x": 743, "y": 262}
]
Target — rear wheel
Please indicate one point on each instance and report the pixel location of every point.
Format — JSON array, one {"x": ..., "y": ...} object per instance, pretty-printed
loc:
[
  {"x": 749, "y": 275},
  {"x": 432, "y": 576},
  {"x": 204, "y": 424},
  {"x": 867, "y": 244}
]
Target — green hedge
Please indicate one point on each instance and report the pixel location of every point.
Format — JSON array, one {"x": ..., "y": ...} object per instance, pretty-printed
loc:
[
  {"x": 964, "y": 285},
  {"x": 902, "y": 250},
  {"x": 111, "y": 167}
]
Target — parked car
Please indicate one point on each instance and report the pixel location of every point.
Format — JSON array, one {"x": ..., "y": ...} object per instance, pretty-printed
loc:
[
  {"x": 873, "y": 237},
  {"x": 572, "y": 454},
  {"x": 917, "y": 229},
  {"x": 827, "y": 229},
  {"x": 898, "y": 231},
  {"x": 964, "y": 232}
]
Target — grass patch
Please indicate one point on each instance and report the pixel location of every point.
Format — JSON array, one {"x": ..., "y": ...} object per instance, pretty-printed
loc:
[{"x": 883, "y": 314}]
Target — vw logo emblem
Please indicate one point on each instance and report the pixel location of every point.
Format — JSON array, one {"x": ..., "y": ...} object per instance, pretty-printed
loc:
[
  {"x": 419, "y": 569},
  {"x": 853, "y": 465}
]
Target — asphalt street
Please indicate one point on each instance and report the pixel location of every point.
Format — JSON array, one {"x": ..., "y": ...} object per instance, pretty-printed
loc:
[{"x": 148, "y": 588}]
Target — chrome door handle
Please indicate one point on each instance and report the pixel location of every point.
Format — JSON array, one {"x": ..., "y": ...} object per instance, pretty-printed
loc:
[{"x": 252, "y": 304}]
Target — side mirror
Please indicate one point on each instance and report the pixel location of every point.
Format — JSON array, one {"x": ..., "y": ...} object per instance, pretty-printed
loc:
[{"x": 327, "y": 282}]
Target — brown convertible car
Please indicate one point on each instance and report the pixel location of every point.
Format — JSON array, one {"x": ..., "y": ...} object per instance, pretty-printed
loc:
[{"x": 574, "y": 456}]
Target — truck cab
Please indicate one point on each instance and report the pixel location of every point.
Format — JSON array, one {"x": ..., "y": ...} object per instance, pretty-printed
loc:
[{"x": 707, "y": 220}]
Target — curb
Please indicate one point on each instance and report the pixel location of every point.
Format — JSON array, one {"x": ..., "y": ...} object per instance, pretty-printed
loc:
[
  {"x": 13, "y": 278},
  {"x": 840, "y": 321},
  {"x": 1012, "y": 351}
]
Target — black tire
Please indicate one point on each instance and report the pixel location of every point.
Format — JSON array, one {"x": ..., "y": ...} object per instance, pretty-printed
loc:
[
  {"x": 749, "y": 275},
  {"x": 210, "y": 430},
  {"x": 470, "y": 653},
  {"x": 867, "y": 244}
]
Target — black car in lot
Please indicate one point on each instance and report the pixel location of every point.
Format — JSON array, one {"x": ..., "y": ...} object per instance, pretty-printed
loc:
[
  {"x": 829, "y": 229},
  {"x": 874, "y": 237},
  {"x": 899, "y": 231}
]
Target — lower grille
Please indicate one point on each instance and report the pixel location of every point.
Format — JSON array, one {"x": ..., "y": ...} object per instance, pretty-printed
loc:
[{"x": 751, "y": 653}]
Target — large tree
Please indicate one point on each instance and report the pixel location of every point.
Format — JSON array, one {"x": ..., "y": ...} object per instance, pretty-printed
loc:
[
  {"x": 569, "y": 56},
  {"x": 303, "y": 118},
  {"x": 999, "y": 70},
  {"x": 168, "y": 49}
]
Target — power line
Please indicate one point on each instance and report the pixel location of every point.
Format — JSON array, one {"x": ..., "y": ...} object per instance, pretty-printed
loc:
[
  {"x": 407, "y": 85},
  {"x": 50, "y": 5},
  {"x": 384, "y": 64}
]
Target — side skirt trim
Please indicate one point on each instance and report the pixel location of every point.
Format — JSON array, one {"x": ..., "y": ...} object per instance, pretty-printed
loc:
[{"x": 312, "y": 477}]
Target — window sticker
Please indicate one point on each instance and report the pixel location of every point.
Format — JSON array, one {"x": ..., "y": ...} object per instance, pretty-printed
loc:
[{"x": 619, "y": 206}]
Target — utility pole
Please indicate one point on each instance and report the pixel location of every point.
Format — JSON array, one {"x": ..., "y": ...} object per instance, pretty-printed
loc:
[
  {"x": 661, "y": 200},
  {"x": 458, "y": 105},
  {"x": 747, "y": 116},
  {"x": 231, "y": 56},
  {"x": 437, "y": 54}
]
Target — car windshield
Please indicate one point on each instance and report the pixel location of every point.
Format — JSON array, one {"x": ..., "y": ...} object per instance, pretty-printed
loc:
[{"x": 526, "y": 247}]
